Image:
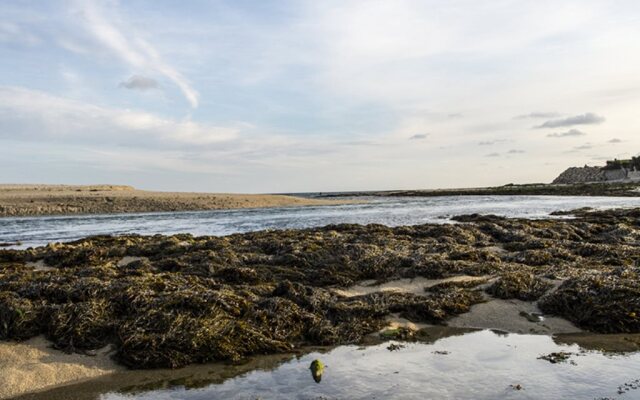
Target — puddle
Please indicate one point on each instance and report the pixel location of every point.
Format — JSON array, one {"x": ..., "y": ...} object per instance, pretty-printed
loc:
[{"x": 451, "y": 364}]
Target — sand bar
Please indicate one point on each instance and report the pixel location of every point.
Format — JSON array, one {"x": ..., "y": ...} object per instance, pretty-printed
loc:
[{"x": 30, "y": 200}]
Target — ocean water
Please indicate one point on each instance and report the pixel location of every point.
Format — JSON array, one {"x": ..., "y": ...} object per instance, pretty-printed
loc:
[{"x": 33, "y": 231}]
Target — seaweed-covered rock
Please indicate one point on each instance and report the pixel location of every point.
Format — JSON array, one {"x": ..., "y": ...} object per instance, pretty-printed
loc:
[
  {"x": 83, "y": 325},
  {"x": 184, "y": 299},
  {"x": 20, "y": 318},
  {"x": 519, "y": 285},
  {"x": 607, "y": 302}
]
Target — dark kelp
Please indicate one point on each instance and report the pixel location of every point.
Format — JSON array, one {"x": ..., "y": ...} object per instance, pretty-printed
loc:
[
  {"x": 521, "y": 285},
  {"x": 182, "y": 299},
  {"x": 606, "y": 302}
]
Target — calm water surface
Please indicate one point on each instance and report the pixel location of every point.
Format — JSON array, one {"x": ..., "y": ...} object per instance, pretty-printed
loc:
[
  {"x": 33, "y": 231},
  {"x": 477, "y": 365}
]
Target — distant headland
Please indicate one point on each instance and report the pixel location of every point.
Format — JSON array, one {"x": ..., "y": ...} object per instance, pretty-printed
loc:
[{"x": 613, "y": 171}]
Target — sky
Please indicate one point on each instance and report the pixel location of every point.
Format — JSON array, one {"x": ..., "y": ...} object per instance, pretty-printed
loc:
[{"x": 298, "y": 96}]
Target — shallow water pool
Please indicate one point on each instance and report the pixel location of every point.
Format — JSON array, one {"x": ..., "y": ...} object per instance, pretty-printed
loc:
[{"x": 454, "y": 365}]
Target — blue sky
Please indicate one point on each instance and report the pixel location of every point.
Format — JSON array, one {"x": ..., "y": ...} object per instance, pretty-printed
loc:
[{"x": 286, "y": 96}]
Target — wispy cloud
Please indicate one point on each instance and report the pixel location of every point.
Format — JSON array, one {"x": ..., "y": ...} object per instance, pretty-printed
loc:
[
  {"x": 138, "y": 82},
  {"x": 535, "y": 115},
  {"x": 569, "y": 133},
  {"x": 516, "y": 151},
  {"x": 614, "y": 140},
  {"x": 29, "y": 114},
  {"x": 419, "y": 136},
  {"x": 338, "y": 85},
  {"x": 491, "y": 142},
  {"x": 131, "y": 47},
  {"x": 583, "y": 119}
]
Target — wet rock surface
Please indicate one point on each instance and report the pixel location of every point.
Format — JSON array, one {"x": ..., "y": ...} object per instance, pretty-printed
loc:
[
  {"x": 183, "y": 299},
  {"x": 559, "y": 357}
]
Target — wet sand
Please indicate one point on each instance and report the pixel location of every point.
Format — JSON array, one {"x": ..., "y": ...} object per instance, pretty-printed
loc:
[
  {"x": 33, "y": 365},
  {"x": 513, "y": 316},
  {"x": 31, "y": 200},
  {"x": 408, "y": 285}
]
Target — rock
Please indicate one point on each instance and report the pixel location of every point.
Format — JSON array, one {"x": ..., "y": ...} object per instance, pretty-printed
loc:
[
  {"x": 580, "y": 175},
  {"x": 317, "y": 369}
]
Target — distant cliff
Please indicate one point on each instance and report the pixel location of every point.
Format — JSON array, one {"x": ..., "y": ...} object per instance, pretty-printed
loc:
[
  {"x": 613, "y": 171},
  {"x": 580, "y": 175}
]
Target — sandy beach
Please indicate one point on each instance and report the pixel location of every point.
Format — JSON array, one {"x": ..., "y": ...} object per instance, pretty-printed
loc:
[
  {"x": 27, "y": 200},
  {"x": 33, "y": 365}
]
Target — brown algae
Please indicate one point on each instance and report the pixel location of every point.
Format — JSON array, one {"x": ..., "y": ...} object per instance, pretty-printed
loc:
[{"x": 184, "y": 299}]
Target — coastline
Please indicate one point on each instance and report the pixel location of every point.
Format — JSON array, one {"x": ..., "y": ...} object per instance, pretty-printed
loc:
[
  {"x": 39, "y": 200},
  {"x": 606, "y": 189},
  {"x": 54, "y": 200},
  {"x": 171, "y": 301}
]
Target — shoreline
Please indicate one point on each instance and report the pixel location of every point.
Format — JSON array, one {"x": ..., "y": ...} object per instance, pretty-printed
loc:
[
  {"x": 62, "y": 200},
  {"x": 605, "y": 189},
  {"x": 171, "y": 301}
]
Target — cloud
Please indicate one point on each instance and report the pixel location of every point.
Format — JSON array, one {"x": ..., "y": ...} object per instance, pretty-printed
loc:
[
  {"x": 33, "y": 115},
  {"x": 583, "y": 119},
  {"x": 491, "y": 142},
  {"x": 138, "y": 82},
  {"x": 614, "y": 140},
  {"x": 535, "y": 115},
  {"x": 419, "y": 136},
  {"x": 585, "y": 146},
  {"x": 132, "y": 48},
  {"x": 569, "y": 133},
  {"x": 512, "y": 151}
]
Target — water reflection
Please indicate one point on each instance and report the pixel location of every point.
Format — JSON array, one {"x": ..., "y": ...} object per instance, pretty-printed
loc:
[{"x": 473, "y": 365}]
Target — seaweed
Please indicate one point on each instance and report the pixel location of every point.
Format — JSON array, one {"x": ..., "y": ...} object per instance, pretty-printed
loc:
[
  {"x": 192, "y": 299},
  {"x": 20, "y": 318},
  {"x": 519, "y": 285},
  {"x": 606, "y": 302}
]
